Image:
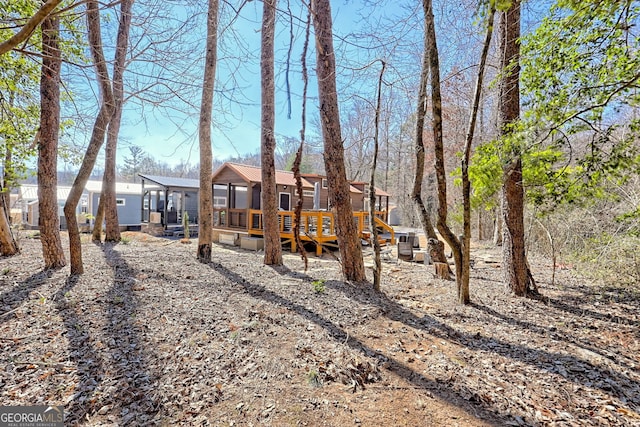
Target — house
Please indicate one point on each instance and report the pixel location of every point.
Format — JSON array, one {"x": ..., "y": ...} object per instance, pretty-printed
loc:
[
  {"x": 238, "y": 215},
  {"x": 237, "y": 188},
  {"x": 28, "y": 203},
  {"x": 361, "y": 200},
  {"x": 166, "y": 199},
  {"x": 128, "y": 198}
]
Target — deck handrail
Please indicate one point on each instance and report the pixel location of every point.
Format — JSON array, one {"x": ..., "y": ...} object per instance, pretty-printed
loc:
[{"x": 317, "y": 223}]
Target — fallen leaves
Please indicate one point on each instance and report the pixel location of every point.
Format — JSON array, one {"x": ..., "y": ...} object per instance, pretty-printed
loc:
[{"x": 151, "y": 336}]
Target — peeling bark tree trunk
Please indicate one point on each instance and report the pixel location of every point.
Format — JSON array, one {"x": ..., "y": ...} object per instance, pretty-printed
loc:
[
  {"x": 49, "y": 218},
  {"x": 272, "y": 245},
  {"x": 109, "y": 179},
  {"x": 416, "y": 195},
  {"x": 205, "y": 232},
  {"x": 97, "y": 137},
  {"x": 346, "y": 231},
  {"x": 516, "y": 272}
]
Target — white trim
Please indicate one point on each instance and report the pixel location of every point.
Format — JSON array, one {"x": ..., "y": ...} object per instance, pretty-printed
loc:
[
  {"x": 220, "y": 202},
  {"x": 121, "y": 201},
  {"x": 280, "y": 200}
]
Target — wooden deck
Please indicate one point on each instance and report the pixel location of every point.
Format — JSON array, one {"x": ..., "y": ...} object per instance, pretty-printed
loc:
[{"x": 317, "y": 227}]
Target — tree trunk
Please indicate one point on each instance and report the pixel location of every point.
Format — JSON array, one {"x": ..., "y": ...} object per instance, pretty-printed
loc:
[
  {"x": 49, "y": 218},
  {"x": 298, "y": 159},
  {"x": 463, "y": 282},
  {"x": 516, "y": 272},
  {"x": 8, "y": 245},
  {"x": 109, "y": 179},
  {"x": 205, "y": 221},
  {"x": 97, "y": 136},
  {"x": 416, "y": 195},
  {"x": 377, "y": 263},
  {"x": 513, "y": 243},
  {"x": 7, "y": 179},
  {"x": 497, "y": 225},
  {"x": 436, "y": 111},
  {"x": 96, "y": 234},
  {"x": 339, "y": 195},
  {"x": 272, "y": 245}
]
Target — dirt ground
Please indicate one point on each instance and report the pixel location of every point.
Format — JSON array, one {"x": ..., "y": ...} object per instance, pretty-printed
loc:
[{"x": 150, "y": 336}]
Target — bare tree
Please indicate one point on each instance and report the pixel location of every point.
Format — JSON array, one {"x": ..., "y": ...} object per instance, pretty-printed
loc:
[
  {"x": 298, "y": 156},
  {"x": 205, "y": 232},
  {"x": 97, "y": 136},
  {"x": 340, "y": 198},
  {"x": 377, "y": 263},
  {"x": 272, "y": 245},
  {"x": 436, "y": 247},
  {"x": 108, "y": 194},
  {"x": 49, "y": 218},
  {"x": 463, "y": 282},
  {"x": 517, "y": 274}
]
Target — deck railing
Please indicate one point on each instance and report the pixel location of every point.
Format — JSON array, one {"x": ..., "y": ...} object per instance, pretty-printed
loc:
[
  {"x": 318, "y": 224},
  {"x": 230, "y": 218},
  {"x": 312, "y": 223}
]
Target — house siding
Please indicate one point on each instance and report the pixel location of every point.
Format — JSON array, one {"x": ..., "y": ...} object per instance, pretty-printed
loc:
[{"x": 129, "y": 214}]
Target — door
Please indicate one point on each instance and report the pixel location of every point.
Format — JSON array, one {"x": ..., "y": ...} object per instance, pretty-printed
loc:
[{"x": 285, "y": 202}]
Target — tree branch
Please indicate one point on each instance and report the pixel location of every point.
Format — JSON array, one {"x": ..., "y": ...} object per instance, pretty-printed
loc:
[{"x": 29, "y": 27}]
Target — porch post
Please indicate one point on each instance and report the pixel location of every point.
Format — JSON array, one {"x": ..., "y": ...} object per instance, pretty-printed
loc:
[{"x": 142, "y": 203}]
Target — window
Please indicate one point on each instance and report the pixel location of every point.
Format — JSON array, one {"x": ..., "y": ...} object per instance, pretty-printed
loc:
[
  {"x": 325, "y": 184},
  {"x": 120, "y": 202},
  {"x": 219, "y": 202},
  {"x": 308, "y": 193}
]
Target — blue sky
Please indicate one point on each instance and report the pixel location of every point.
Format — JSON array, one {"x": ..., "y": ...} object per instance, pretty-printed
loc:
[
  {"x": 172, "y": 137},
  {"x": 240, "y": 133}
]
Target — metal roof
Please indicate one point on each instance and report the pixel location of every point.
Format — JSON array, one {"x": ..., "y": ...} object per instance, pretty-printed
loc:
[
  {"x": 29, "y": 192},
  {"x": 254, "y": 174},
  {"x": 379, "y": 191},
  {"x": 168, "y": 181},
  {"x": 121, "y": 187}
]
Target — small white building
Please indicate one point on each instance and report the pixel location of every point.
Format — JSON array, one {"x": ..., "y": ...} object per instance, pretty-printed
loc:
[{"x": 128, "y": 200}]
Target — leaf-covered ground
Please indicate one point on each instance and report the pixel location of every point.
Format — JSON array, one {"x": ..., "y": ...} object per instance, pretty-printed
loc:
[{"x": 150, "y": 336}]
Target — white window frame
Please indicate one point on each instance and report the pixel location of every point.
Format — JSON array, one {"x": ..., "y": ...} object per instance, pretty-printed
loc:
[
  {"x": 280, "y": 200},
  {"x": 325, "y": 183},
  {"x": 121, "y": 201},
  {"x": 217, "y": 199}
]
